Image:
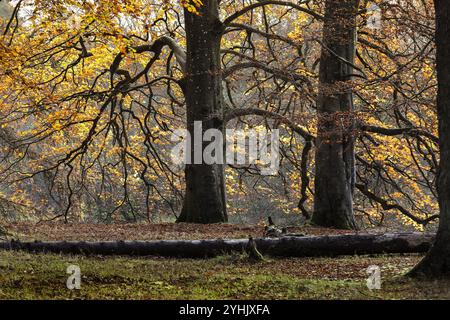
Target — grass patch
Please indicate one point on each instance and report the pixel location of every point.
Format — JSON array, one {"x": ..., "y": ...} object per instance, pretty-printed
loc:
[{"x": 43, "y": 276}]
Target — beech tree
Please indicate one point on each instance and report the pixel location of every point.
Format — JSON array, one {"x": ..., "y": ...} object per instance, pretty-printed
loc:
[
  {"x": 205, "y": 196},
  {"x": 335, "y": 157},
  {"x": 205, "y": 199},
  {"x": 437, "y": 262}
]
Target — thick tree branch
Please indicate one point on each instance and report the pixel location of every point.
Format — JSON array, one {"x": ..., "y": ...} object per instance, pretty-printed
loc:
[
  {"x": 259, "y": 4},
  {"x": 273, "y": 36},
  {"x": 156, "y": 47},
  {"x": 393, "y": 206},
  {"x": 305, "y": 178},
  {"x": 231, "y": 114},
  {"x": 285, "y": 75},
  {"x": 413, "y": 132}
]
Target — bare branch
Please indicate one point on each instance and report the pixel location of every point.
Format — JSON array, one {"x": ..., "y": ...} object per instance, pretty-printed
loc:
[{"x": 263, "y": 3}]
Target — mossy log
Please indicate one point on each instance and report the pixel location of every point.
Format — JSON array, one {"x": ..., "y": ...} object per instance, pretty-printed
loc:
[{"x": 308, "y": 246}]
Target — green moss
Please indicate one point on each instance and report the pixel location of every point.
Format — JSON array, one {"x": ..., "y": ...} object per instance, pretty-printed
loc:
[{"x": 43, "y": 276}]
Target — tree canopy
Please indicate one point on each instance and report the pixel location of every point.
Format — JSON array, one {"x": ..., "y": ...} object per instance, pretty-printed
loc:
[{"x": 91, "y": 92}]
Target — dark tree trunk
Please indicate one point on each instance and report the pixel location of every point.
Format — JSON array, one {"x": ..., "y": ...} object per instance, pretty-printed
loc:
[
  {"x": 285, "y": 247},
  {"x": 335, "y": 164},
  {"x": 205, "y": 200},
  {"x": 437, "y": 263}
]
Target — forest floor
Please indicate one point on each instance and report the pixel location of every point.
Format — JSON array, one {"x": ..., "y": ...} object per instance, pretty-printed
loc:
[
  {"x": 43, "y": 276},
  {"x": 55, "y": 231}
]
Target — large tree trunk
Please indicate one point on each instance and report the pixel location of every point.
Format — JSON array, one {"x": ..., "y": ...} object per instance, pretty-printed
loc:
[
  {"x": 437, "y": 263},
  {"x": 205, "y": 200},
  {"x": 335, "y": 164},
  {"x": 283, "y": 247}
]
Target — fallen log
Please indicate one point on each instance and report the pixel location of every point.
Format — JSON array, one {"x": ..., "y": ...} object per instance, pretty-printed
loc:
[{"x": 308, "y": 246}]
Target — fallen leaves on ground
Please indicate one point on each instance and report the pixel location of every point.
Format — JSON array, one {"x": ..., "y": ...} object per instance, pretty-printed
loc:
[{"x": 58, "y": 231}]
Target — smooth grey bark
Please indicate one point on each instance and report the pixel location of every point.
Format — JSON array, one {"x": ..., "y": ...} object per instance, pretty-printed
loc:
[
  {"x": 437, "y": 262},
  {"x": 335, "y": 158},
  {"x": 284, "y": 247},
  {"x": 205, "y": 199}
]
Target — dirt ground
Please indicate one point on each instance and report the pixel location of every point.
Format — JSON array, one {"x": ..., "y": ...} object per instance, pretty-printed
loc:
[{"x": 58, "y": 231}]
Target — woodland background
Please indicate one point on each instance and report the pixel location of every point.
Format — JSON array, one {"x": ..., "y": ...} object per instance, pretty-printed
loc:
[
  {"x": 55, "y": 76},
  {"x": 91, "y": 92}
]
